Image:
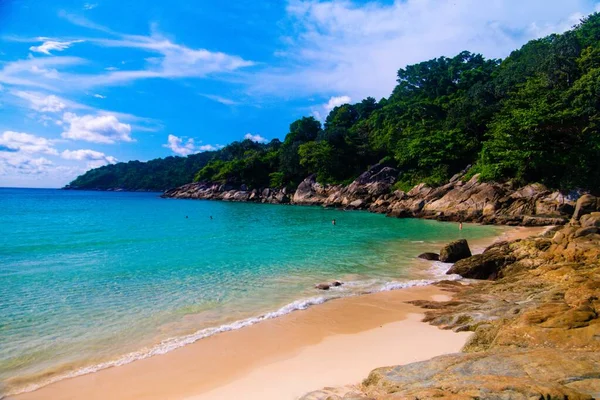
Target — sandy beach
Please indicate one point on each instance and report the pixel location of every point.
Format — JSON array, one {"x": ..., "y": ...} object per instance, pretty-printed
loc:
[{"x": 336, "y": 343}]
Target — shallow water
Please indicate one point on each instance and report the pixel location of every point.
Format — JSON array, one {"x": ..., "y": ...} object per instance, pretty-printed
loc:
[{"x": 94, "y": 279}]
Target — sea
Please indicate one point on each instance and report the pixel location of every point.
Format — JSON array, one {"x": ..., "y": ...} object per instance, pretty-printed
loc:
[{"x": 91, "y": 280}]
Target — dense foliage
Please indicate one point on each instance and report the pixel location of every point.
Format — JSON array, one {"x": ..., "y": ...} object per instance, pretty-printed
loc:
[
  {"x": 533, "y": 117},
  {"x": 159, "y": 174}
]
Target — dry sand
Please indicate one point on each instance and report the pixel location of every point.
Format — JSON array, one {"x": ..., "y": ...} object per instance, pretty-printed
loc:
[{"x": 336, "y": 343}]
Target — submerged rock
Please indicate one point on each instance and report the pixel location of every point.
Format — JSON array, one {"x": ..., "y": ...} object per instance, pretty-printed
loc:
[
  {"x": 429, "y": 256},
  {"x": 322, "y": 286},
  {"x": 455, "y": 251}
]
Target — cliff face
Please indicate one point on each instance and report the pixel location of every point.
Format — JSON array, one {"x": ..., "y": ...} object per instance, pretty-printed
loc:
[
  {"x": 471, "y": 201},
  {"x": 535, "y": 322}
]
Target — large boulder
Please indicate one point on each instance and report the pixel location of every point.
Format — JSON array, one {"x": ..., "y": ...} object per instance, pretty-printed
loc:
[
  {"x": 586, "y": 204},
  {"x": 488, "y": 265},
  {"x": 306, "y": 193},
  {"x": 455, "y": 251}
]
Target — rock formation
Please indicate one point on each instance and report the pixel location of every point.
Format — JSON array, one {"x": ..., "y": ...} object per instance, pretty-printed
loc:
[
  {"x": 535, "y": 321},
  {"x": 455, "y": 251},
  {"x": 458, "y": 200}
]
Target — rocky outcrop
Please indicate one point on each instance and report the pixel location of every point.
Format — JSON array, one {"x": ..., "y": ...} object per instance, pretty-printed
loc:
[
  {"x": 458, "y": 200},
  {"x": 214, "y": 191},
  {"x": 488, "y": 265},
  {"x": 455, "y": 251},
  {"x": 585, "y": 205},
  {"x": 485, "y": 202},
  {"x": 535, "y": 321}
]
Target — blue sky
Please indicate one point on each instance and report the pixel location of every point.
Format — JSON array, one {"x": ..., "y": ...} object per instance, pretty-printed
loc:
[{"x": 86, "y": 83}]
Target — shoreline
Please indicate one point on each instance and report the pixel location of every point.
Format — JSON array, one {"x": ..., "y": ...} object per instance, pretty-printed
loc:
[
  {"x": 367, "y": 326},
  {"x": 112, "y": 376}
]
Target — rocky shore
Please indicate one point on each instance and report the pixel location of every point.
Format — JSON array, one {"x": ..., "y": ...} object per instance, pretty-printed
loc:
[
  {"x": 534, "y": 313},
  {"x": 458, "y": 200}
]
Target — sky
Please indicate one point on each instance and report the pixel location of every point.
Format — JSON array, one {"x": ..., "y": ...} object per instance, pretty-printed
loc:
[{"x": 90, "y": 83}]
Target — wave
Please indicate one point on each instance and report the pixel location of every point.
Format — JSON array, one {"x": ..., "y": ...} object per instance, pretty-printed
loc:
[{"x": 168, "y": 345}]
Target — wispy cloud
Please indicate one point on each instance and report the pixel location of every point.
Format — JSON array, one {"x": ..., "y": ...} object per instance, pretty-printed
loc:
[
  {"x": 90, "y": 6},
  {"x": 38, "y": 72},
  {"x": 43, "y": 103},
  {"x": 53, "y": 45},
  {"x": 343, "y": 46},
  {"x": 53, "y": 104},
  {"x": 220, "y": 99}
]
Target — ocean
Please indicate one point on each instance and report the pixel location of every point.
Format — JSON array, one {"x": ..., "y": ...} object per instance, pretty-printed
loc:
[{"x": 90, "y": 280}]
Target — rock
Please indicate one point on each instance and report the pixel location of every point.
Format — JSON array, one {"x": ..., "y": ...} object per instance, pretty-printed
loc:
[
  {"x": 483, "y": 266},
  {"x": 455, "y": 251},
  {"x": 472, "y": 201},
  {"x": 356, "y": 204},
  {"x": 323, "y": 286},
  {"x": 585, "y": 205},
  {"x": 590, "y": 220},
  {"x": 539, "y": 374},
  {"x": 336, "y": 283},
  {"x": 587, "y": 231},
  {"x": 429, "y": 256}
]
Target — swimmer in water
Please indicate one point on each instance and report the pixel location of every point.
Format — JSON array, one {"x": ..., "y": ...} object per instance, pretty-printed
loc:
[{"x": 333, "y": 222}]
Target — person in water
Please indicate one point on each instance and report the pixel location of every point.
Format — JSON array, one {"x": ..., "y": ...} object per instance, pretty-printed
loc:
[
  {"x": 460, "y": 226},
  {"x": 211, "y": 217},
  {"x": 333, "y": 222}
]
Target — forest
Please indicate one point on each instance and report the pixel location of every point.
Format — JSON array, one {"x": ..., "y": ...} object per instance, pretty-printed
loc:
[{"x": 532, "y": 117}]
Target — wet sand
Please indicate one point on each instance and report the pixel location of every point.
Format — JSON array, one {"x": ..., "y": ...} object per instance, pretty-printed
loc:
[{"x": 336, "y": 343}]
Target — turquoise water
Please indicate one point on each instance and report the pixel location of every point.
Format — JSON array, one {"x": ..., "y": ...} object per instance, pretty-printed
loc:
[{"x": 92, "y": 279}]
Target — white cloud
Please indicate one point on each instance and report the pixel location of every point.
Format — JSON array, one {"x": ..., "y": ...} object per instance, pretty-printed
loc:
[
  {"x": 42, "y": 103},
  {"x": 94, "y": 158},
  {"x": 90, "y": 6},
  {"x": 336, "y": 102},
  {"x": 99, "y": 96},
  {"x": 255, "y": 138},
  {"x": 53, "y": 45},
  {"x": 22, "y": 164},
  {"x": 97, "y": 129},
  {"x": 178, "y": 146},
  {"x": 25, "y": 143},
  {"x": 356, "y": 48},
  {"x": 20, "y": 154}
]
